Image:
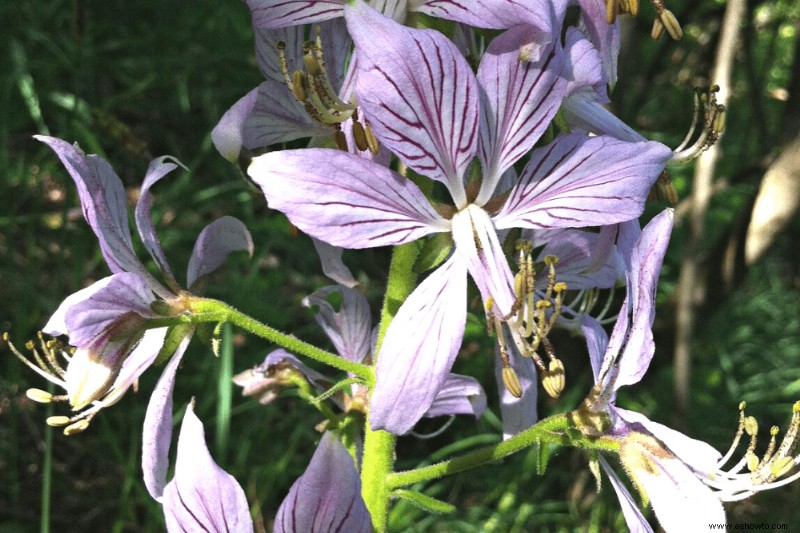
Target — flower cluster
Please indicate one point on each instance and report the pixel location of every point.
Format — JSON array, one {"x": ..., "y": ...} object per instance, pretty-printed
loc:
[{"x": 486, "y": 156}]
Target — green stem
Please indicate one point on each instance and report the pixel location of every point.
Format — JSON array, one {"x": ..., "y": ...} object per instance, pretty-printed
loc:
[
  {"x": 550, "y": 430},
  {"x": 378, "y": 458},
  {"x": 208, "y": 310},
  {"x": 224, "y": 393}
]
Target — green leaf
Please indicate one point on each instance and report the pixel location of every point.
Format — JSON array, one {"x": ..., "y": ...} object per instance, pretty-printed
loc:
[
  {"x": 432, "y": 505},
  {"x": 435, "y": 250}
]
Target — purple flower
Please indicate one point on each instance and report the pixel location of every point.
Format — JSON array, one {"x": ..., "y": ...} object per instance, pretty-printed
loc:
[
  {"x": 671, "y": 469},
  {"x": 327, "y": 497},
  {"x": 426, "y": 105},
  {"x": 109, "y": 322},
  {"x": 202, "y": 496}
]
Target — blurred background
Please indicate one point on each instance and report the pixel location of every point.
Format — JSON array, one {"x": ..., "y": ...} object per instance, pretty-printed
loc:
[{"x": 136, "y": 80}]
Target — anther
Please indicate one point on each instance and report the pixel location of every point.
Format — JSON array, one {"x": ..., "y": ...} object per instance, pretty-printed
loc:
[
  {"x": 57, "y": 421},
  {"x": 39, "y": 395},
  {"x": 553, "y": 380},
  {"x": 511, "y": 381},
  {"x": 78, "y": 427}
]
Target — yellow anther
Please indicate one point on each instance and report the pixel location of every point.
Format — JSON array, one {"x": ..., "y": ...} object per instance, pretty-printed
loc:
[
  {"x": 543, "y": 304},
  {"x": 39, "y": 396},
  {"x": 658, "y": 30},
  {"x": 742, "y": 405},
  {"x": 511, "y": 381},
  {"x": 671, "y": 24},
  {"x": 77, "y": 427},
  {"x": 489, "y": 304},
  {"x": 553, "y": 379},
  {"x": 796, "y": 407},
  {"x": 57, "y": 421},
  {"x": 551, "y": 260},
  {"x": 372, "y": 142},
  {"x": 299, "y": 85},
  {"x": 774, "y": 431},
  {"x": 560, "y": 287}
]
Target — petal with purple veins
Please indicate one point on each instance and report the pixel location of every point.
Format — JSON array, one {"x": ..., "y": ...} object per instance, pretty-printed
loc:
[
  {"x": 418, "y": 94},
  {"x": 579, "y": 181},
  {"x": 202, "y": 496},
  {"x": 327, "y": 497},
  {"x": 343, "y": 199},
  {"x": 332, "y": 265},
  {"x": 116, "y": 296},
  {"x": 519, "y": 98},
  {"x": 349, "y": 327},
  {"x": 272, "y": 14},
  {"x": 494, "y": 14},
  {"x": 104, "y": 204},
  {"x": 419, "y": 348}
]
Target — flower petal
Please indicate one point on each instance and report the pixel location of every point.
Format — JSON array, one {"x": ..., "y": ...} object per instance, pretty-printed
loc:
[
  {"x": 157, "y": 430},
  {"x": 349, "y": 327},
  {"x": 418, "y": 94},
  {"x": 681, "y": 501},
  {"x": 157, "y": 170},
  {"x": 459, "y": 395},
  {"x": 646, "y": 259},
  {"x": 579, "y": 181},
  {"x": 332, "y": 264},
  {"x": 327, "y": 497},
  {"x": 584, "y": 69},
  {"x": 268, "y": 59},
  {"x": 271, "y": 14},
  {"x": 110, "y": 299},
  {"x": 476, "y": 241},
  {"x": 596, "y": 340},
  {"x": 214, "y": 244},
  {"x": 202, "y": 496},
  {"x": 419, "y": 349},
  {"x": 604, "y": 36},
  {"x": 343, "y": 199},
  {"x": 519, "y": 98},
  {"x": 699, "y": 455},
  {"x": 494, "y": 14},
  {"x": 104, "y": 204}
]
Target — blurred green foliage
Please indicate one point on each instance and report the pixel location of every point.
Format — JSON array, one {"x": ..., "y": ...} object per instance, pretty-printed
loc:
[{"x": 134, "y": 80}]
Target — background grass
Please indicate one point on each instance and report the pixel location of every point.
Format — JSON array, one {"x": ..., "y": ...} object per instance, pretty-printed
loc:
[{"x": 135, "y": 80}]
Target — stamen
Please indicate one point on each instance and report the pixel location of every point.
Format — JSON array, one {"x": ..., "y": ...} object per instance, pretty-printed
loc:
[
  {"x": 665, "y": 20},
  {"x": 709, "y": 117}
]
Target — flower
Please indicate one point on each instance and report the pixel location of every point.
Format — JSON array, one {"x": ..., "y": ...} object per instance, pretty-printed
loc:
[
  {"x": 426, "y": 105},
  {"x": 111, "y": 322},
  {"x": 666, "y": 466}
]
